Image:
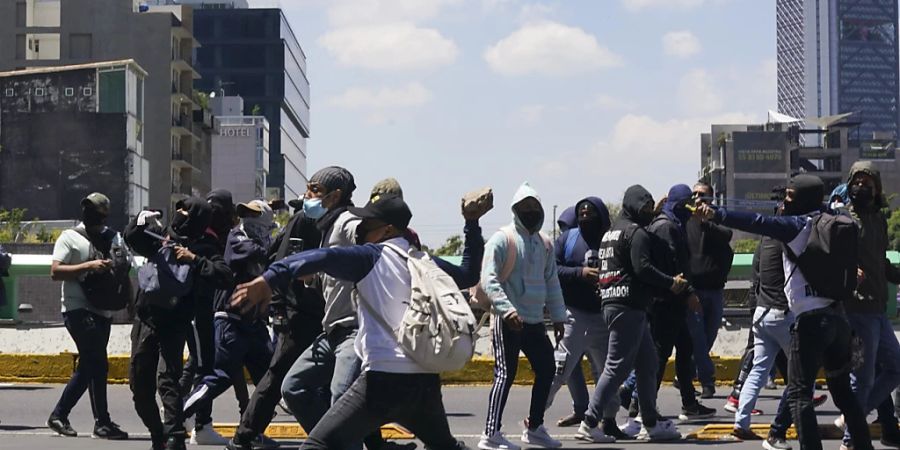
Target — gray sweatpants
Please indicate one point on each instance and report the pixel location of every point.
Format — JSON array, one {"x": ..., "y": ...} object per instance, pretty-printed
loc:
[{"x": 630, "y": 347}]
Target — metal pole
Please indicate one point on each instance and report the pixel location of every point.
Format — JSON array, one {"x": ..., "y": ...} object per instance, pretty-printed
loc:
[{"x": 554, "y": 222}]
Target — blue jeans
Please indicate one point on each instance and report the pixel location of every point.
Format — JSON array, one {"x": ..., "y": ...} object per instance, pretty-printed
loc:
[
  {"x": 704, "y": 328},
  {"x": 322, "y": 374},
  {"x": 771, "y": 334},
  {"x": 880, "y": 348}
]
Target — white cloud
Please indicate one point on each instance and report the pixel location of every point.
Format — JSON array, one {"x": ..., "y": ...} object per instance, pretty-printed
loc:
[
  {"x": 400, "y": 46},
  {"x": 528, "y": 115},
  {"x": 639, "y": 5},
  {"x": 609, "y": 103},
  {"x": 343, "y": 13},
  {"x": 364, "y": 98},
  {"x": 698, "y": 94},
  {"x": 549, "y": 48},
  {"x": 681, "y": 44},
  {"x": 535, "y": 11}
]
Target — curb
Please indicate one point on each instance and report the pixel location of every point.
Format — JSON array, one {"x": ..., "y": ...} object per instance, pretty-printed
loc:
[
  {"x": 722, "y": 432},
  {"x": 19, "y": 368},
  {"x": 295, "y": 431}
]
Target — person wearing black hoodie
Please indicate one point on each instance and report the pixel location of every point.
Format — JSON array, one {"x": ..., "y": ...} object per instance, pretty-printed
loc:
[
  {"x": 626, "y": 280},
  {"x": 669, "y": 310},
  {"x": 711, "y": 259},
  {"x": 159, "y": 332},
  {"x": 578, "y": 265},
  {"x": 821, "y": 333}
]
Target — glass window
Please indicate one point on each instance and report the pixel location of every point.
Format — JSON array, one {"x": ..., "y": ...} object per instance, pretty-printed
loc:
[
  {"x": 112, "y": 92},
  {"x": 861, "y": 30},
  {"x": 42, "y": 46},
  {"x": 244, "y": 56},
  {"x": 206, "y": 57}
]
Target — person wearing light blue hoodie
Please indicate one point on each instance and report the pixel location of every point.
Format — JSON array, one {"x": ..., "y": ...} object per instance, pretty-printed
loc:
[{"x": 518, "y": 303}]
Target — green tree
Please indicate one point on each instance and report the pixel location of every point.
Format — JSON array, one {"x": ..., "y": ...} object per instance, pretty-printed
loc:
[
  {"x": 745, "y": 245},
  {"x": 614, "y": 210},
  {"x": 894, "y": 230},
  {"x": 453, "y": 246},
  {"x": 11, "y": 229}
]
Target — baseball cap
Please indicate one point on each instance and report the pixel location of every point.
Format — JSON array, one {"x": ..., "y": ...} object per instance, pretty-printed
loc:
[
  {"x": 387, "y": 186},
  {"x": 390, "y": 209},
  {"x": 97, "y": 201},
  {"x": 252, "y": 208}
]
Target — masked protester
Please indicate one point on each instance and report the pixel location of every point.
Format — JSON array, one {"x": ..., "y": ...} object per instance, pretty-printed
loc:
[
  {"x": 88, "y": 325},
  {"x": 867, "y": 315},
  {"x": 711, "y": 257},
  {"x": 578, "y": 262},
  {"x": 297, "y": 312},
  {"x": 392, "y": 386},
  {"x": 159, "y": 332},
  {"x": 821, "y": 334},
  {"x": 567, "y": 220},
  {"x": 518, "y": 317},
  {"x": 201, "y": 341},
  {"x": 242, "y": 338}
]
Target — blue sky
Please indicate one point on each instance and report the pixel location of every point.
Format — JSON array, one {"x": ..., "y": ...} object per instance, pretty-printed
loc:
[{"x": 579, "y": 97}]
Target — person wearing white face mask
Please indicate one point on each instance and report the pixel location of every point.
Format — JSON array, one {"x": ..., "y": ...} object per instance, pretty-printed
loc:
[{"x": 242, "y": 339}]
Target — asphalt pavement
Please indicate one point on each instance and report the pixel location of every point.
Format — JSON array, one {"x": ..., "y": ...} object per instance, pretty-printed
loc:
[{"x": 24, "y": 409}]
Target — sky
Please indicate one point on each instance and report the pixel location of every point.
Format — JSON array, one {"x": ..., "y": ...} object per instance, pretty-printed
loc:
[{"x": 577, "y": 97}]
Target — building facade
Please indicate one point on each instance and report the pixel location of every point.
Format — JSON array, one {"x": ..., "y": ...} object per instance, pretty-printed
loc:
[
  {"x": 240, "y": 150},
  {"x": 44, "y": 33},
  {"x": 840, "y": 56},
  {"x": 68, "y": 131},
  {"x": 254, "y": 53}
]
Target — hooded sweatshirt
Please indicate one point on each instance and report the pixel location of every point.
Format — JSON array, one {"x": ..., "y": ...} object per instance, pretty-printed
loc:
[
  {"x": 533, "y": 283},
  {"x": 670, "y": 253},
  {"x": 567, "y": 220},
  {"x": 711, "y": 254},
  {"x": 871, "y": 294},
  {"x": 578, "y": 292},
  {"x": 627, "y": 275}
]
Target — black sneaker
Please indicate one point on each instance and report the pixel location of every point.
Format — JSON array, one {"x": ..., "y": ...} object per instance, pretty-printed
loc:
[
  {"x": 175, "y": 443},
  {"x": 263, "y": 442},
  {"x": 61, "y": 427},
  {"x": 634, "y": 410},
  {"x": 571, "y": 420},
  {"x": 708, "y": 392},
  {"x": 776, "y": 443},
  {"x": 744, "y": 434},
  {"x": 232, "y": 445},
  {"x": 890, "y": 438},
  {"x": 624, "y": 397},
  {"x": 110, "y": 431},
  {"x": 696, "y": 412},
  {"x": 610, "y": 428}
]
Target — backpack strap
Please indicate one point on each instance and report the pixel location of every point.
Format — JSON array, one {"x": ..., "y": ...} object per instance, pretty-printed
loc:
[{"x": 571, "y": 239}]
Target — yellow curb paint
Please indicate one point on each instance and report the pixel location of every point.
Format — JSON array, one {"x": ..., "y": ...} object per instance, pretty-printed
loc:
[
  {"x": 722, "y": 432},
  {"x": 294, "y": 431},
  {"x": 19, "y": 368}
]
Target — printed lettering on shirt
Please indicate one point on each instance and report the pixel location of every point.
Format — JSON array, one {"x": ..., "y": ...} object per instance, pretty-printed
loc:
[
  {"x": 614, "y": 292},
  {"x": 612, "y": 235}
]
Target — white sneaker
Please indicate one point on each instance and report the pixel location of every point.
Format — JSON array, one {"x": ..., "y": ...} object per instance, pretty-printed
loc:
[
  {"x": 540, "y": 437},
  {"x": 839, "y": 422},
  {"x": 496, "y": 442},
  {"x": 633, "y": 427},
  {"x": 663, "y": 431},
  {"x": 595, "y": 435},
  {"x": 206, "y": 435}
]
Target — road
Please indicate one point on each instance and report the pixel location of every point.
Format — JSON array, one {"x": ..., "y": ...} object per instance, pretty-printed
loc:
[{"x": 24, "y": 409}]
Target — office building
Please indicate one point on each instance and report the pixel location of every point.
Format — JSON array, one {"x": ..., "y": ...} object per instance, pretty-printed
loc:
[
  {"x": 45, "y": 33},
  {"x": 240, "y": 150},
  {"x": 254, "y": 53},
  {"x": 68, "y": 131}
]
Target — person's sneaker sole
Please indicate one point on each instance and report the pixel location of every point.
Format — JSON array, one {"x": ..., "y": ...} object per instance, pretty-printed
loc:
[{"x": 111, "y": 438}]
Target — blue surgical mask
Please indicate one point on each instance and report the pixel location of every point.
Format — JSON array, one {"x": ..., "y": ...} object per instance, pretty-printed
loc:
[{"x": 313, "y": 208}]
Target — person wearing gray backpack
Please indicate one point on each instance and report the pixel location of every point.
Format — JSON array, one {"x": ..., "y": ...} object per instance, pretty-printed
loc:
[{"x": 396, "y": 385}]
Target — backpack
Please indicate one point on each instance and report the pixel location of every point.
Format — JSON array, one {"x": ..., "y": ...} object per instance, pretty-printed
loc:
[
  {"x": 478, "y": 298},
  {"x": 163, "y": 280},
  {"x": 830, "y": 260},
  {"x": 438, "y": 329},
  {"x": 571, "y": 240},
  {"x": 108, "y": 290}
]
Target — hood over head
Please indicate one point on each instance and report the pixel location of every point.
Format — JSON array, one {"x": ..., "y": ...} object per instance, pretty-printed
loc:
[
  {"x": 222, "y": 212},
  {"x": 568, "y": 219},
  {"x": 809, "y": 192},
  {"x": 674, "y": 209},
  {"x": 593, "y": 230},
  {"x": 192, "y": 226},
  {"x": 869, "y": 168},
  {"x": 636, "y": 197},
  {"x": 532, "y": 222}
]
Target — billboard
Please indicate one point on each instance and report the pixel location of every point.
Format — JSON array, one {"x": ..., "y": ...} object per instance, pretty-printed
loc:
[
  {"x": 880, "y": 150},
  {"x": 760, "y": 152},
  {"x": 755, "y": 194}
]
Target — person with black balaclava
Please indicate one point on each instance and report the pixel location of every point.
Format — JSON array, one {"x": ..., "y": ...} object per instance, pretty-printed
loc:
[
  {"x": 578, "y": 262},
  {"x": 201, "y": 340},
  {"x": 821, "y": 334},
  {"x": 159, "y": 332},
  {"x": 669, "y": 310},
  {"x": 89, "y": 326},
  {"x": 627, "y": 280}
]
